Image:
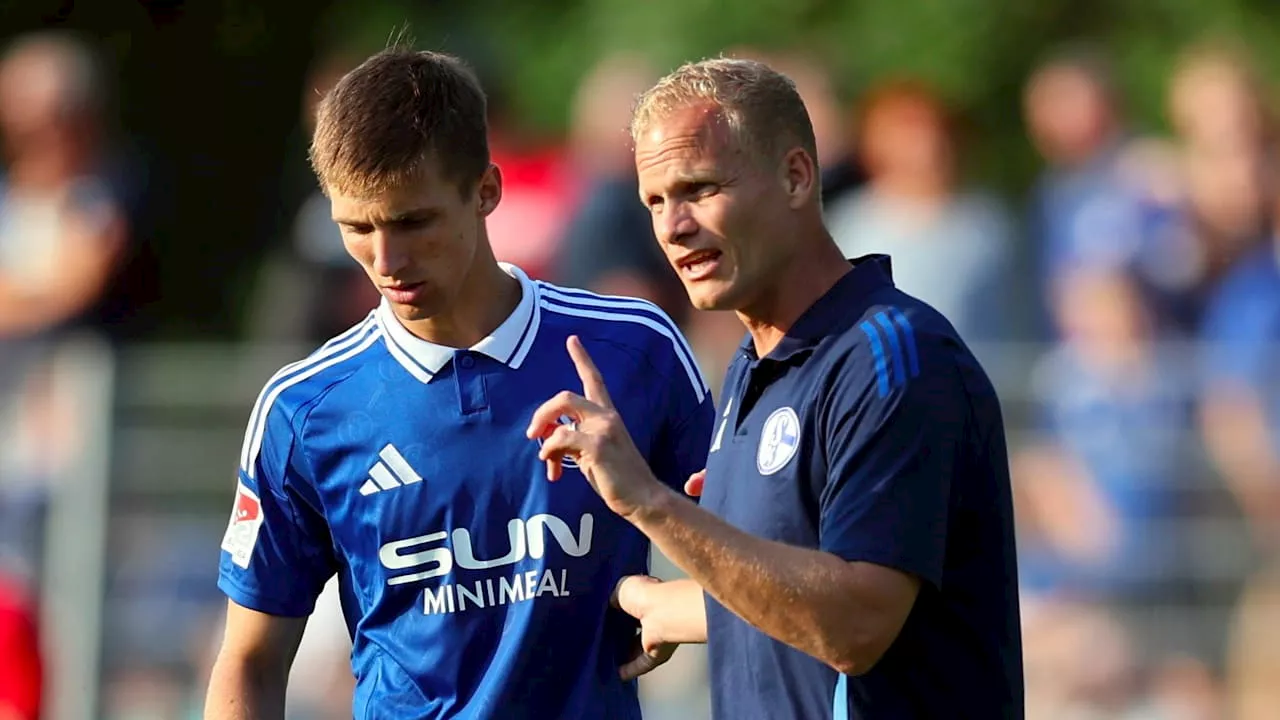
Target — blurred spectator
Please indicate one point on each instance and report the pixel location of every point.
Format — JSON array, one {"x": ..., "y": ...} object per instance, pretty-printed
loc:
[
  {"x": 1102, "y": 500},
  {"x": 609, "y": 246},
  {"x": 1240, "y": 422},
  {"x": 1101, "y": 203},
  {"x": 1079, "y": 662},
  {"x": 1240, "y": 399},
  {"x": 1099, "y": 496},
  {"x": 310, "y": 289},
  {"x": 63, "y": 234},
  {"x": 21, "y": 657},
  {"x": 1253, "y": 657},
  {"x": 1224, "y": 152},
  {"x": 539, "y": 188},
  {"x": 950, "y": 247}
]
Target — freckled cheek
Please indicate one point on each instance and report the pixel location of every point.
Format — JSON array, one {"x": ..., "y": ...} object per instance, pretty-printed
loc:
[{"x": 360, "y": 248}]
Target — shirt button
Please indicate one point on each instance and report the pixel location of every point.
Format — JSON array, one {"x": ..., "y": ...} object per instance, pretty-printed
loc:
[{"x": 468, "y": 361}]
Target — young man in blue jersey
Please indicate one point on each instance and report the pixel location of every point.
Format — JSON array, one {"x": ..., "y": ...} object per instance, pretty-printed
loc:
[
  {"x": 853, "y": 555},
  {"x": 395, "y": 456}
]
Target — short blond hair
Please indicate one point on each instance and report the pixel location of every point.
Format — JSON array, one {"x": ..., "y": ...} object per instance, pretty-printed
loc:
[{"x": 761, "y": 106}]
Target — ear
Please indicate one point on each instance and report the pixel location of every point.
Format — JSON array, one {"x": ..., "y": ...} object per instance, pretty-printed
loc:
[
  {"x": 799, "y": 177},
  {"x": 489, "y": 191}
]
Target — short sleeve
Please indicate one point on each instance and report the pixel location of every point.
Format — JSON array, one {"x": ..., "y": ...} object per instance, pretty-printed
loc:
[
  {"x": 1238, "y": 334},
  {"x": 893, "y": 431},
  {"x": 276, "y": 552}
]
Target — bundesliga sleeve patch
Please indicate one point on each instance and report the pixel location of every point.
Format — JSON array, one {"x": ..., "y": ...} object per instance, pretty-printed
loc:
[{"x": 242, "y": 530}]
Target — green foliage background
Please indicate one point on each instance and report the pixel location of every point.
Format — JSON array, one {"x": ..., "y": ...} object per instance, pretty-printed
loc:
[
  {"x": 977, "y": 52},
  {"x": 209, "y": 93}
]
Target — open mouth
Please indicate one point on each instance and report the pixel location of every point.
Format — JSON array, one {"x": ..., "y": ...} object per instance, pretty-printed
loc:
[{"x": 699, "y": 263}]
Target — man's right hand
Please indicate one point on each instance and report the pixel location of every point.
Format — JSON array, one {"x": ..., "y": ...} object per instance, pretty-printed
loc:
[
  {"x": 670, "y": 613},
  {"x": 650, "y": 650}
]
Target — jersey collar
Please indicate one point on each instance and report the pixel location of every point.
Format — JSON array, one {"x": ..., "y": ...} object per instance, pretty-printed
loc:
[
  {"x": 838, "y": 306},
  {"x": 508, "y": 344}
]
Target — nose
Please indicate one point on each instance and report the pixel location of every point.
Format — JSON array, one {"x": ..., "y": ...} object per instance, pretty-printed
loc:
[
  {"x": 389, "y": 255},
  {"x": 675, "y": 224}
]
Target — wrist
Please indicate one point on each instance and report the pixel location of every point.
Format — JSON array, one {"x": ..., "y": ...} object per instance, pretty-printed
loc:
[{"x": 653, "y": 507}]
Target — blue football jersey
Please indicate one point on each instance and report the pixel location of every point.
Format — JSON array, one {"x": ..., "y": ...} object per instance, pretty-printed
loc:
[{"x": 472, "y": 586}]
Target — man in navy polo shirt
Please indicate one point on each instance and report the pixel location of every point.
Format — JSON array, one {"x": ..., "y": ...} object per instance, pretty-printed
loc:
[{"x": 855, "y": 543}]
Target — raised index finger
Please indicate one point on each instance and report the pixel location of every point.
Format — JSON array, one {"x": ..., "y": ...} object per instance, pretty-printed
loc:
[{"x": 592, "y": 384}]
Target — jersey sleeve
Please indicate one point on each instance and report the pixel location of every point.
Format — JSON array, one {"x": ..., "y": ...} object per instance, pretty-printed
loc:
[
  {"x": 685, "y": 433},
  {"x": 1237, "y": 338},
  {"x": 893, "y": 431},
  {"x": 276, "y": 553}
]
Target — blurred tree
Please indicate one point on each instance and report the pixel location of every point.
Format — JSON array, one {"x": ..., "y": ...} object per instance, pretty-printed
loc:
[{"x": 978, "y": 52}]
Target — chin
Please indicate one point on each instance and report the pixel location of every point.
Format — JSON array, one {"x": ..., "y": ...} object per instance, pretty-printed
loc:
[
  {"x": 710, "y": 295},
  {"x": 415, "y": 312},
  {"x": 710, "y": 301}
]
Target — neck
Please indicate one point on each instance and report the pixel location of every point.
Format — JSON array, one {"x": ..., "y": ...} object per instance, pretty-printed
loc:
[
  {"x": 488, "y": 297},
  {"x": 810, "y": 274}
]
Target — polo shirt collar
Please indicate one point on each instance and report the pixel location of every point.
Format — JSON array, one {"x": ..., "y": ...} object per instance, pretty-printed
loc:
[
  {"x": 868, "y": 274},
  {"x": 508, "y": 344}
]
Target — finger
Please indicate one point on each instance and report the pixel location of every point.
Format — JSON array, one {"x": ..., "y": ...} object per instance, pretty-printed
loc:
[
  {"x": 639, "y": 665},
  {"x": 564, "y": 442},
  {"x": 592, "y": 383},
  {"x": 617, "y": 590},
  {"x": 547, "y": 417},
  {"x": 693, "y": 486},
  {"x": 627, "y": 586}
]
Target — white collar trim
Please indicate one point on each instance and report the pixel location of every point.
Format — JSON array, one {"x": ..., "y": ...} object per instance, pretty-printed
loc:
[{"x": 508, "y": 344}]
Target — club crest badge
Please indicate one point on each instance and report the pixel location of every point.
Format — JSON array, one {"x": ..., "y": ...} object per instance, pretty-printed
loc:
[{"x": 779, "y": 441}]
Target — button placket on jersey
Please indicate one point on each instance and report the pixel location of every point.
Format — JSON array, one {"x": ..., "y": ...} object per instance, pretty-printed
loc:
[{"x": 473, "y": 394}]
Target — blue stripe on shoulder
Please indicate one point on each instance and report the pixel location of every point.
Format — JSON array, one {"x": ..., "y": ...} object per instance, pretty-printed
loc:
[
  {"x": 909, "y": 337},
  {"x": 877, "y": 352},
  {"x": 899, "y": 369}
]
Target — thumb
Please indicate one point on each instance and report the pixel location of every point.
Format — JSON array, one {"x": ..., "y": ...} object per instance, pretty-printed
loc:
[
  {"x": 693, "y": 486},
  {"x": 639, "y": 665}
]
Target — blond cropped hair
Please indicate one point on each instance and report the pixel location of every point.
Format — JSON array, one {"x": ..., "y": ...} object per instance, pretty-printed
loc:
[{"x": 761, "y": 106}]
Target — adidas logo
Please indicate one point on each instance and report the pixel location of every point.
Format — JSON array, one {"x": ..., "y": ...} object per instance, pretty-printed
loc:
[{"x": 392, "y": 472}]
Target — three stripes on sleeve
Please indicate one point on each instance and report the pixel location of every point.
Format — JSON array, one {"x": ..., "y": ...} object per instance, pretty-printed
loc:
[{"x": 893, "y": 348}]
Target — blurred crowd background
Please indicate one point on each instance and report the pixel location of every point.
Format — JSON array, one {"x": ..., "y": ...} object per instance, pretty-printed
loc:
[{"x": 1088, "y": 189}]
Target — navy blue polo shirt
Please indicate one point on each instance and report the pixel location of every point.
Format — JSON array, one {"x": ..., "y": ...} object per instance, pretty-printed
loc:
[{"x": 872, "y": 433}]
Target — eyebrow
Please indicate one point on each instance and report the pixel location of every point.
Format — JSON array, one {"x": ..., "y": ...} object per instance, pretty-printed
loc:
[{"x": 399, "y": 217}]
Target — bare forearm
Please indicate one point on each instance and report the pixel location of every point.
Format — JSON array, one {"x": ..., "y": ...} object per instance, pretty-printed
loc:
[
  {"x": 798, "y": 596},
  {"x": 243, "y": 690}
]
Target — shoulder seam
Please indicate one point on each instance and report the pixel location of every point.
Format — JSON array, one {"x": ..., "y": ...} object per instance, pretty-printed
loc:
[
  {"x": 346, "y": 347},
  {"x": 580, "y": 303}
]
